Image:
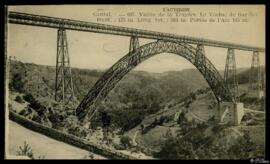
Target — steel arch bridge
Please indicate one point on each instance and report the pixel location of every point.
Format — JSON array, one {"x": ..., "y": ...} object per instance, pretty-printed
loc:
[
  {"x": 136, "y": 56},
  {"x": 191, "y": 48}
]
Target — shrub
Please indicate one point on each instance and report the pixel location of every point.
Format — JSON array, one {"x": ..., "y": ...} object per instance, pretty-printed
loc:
[
  {"x": 29, "y": 98},
  {"x": 176, "y": 149},
  {"x": 35, "y": 104},
  {"x": 118, "y": 147},
  {"x": 74, "y": 131},
  {"x": 19, "y": 99},
  {"x": 212, "y": 119},
  {"x": 22, "y": 112},
  {"x": 202, "y": 125},
  {"x": 26, "y": 150},
  {"x": 244, "y": 148},
  {"x": 36, "y": 118},
  {"x": 217, "y": 128},
  {"x": 77, "y": 132},
  {"x": 106, "y": 119},
  {"x": 55, "y": 120},
  {"x": 131, "y": 124},
  {"x": 17, "y": 83},
  {"x": 126, "y": 141}
]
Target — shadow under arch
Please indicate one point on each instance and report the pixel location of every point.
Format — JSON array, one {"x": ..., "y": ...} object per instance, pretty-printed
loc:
[{"x": 116, "y": 72}]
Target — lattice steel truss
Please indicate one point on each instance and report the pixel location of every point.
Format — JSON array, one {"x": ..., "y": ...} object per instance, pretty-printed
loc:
[
  {"x": 133, "y": 47},
  {"x": 110, "y": 78},
  {"x": 255, "y": 72},
  {"x": 171, "y": 43},
  {"x": 53, "y": 22},
  {"x": 230, "y": 75},
  {"x": 63, "y": 82},
  {"x": 134, "y": 43},
  {"x": 200, "y": 57}
]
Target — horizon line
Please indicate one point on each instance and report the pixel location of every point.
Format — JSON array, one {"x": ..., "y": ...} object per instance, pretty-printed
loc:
[{"x": 103, "y": 70}]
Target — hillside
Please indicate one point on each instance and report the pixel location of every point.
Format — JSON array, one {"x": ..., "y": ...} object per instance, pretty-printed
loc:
[
  {"x": 142, "y": 113},
  {"x": 147, "y": 92},
  {"x": 39, "y": 80}
]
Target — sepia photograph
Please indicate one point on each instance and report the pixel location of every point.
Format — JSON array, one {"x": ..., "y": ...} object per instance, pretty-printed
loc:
[{"x": 133, "y": 82}]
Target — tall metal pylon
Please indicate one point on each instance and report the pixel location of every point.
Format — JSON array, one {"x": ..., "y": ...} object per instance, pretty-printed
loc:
[
  {"x": 230, "y": 75},
  {"x": 63, "y": 82},
  {"x": 255, "y": 73}
]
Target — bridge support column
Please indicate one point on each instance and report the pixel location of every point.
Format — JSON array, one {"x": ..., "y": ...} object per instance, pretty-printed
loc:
[
  {"x": 255, "y": 77},
  {"x": 230, "y": 75},
  {"x": 230, "y": 113},
  {"x": 133, "y": 45},
  {"x": 63, "y": 80}
]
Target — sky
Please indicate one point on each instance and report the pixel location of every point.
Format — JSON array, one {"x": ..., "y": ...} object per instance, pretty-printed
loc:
[{"x": 100, "y": 51}]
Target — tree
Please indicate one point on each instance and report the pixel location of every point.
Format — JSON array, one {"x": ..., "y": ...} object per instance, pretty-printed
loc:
[
  {"x": 36, "y": 105},
  {"x": 106, "y": 119},
  {"x": 29, "y": 98},
  {"x": 17, "y": 83},
  {"x": 126, "y": 141},
  {"x": 55, "y": 120},
  {"x": 243, "y": 148},
  {"x": 175, "y": 148}
]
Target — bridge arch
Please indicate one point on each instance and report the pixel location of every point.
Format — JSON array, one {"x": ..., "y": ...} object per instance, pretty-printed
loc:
[{"x": 116, "y": 72}]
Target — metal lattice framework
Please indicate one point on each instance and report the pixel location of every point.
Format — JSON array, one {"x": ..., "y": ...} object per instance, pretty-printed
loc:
[
  {"x": 53, "y": 22},
  {"x": 63, "y": 81},
  {"x": 134, "y": 43},
  {"x": 166, "y": 43},
  {"x": 200, "y": 57},
  {"x": 110, "y": 78},
  {"x": 255, "y": 72},
  {"x": 230, "y": 76}
]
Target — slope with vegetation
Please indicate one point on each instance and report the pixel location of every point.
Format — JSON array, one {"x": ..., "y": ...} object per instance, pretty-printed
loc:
[{"x": 145, "y": 112}]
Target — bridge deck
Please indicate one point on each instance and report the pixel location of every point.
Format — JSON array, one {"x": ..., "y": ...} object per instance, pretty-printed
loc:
[{"x": 53, "y": 22}]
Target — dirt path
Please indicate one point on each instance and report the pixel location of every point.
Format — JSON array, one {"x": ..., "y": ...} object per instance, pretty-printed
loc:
[
  {"x": 43, "y": 145},
  {"x": 134, "y": 138}
]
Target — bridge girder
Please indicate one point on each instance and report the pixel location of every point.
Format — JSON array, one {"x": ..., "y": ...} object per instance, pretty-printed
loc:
[
  {"x": 166, "y": 43},
  {"x": 110, "y": 78},
  {"x": 53, "y": 22}
]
